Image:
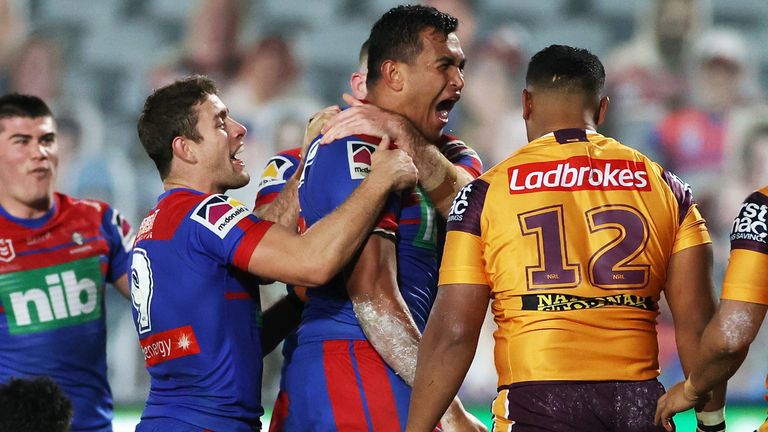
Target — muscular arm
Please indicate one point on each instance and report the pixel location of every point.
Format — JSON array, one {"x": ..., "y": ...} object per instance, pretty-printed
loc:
[
  {"x": 441, "y": 179},
  {"x": 446, "y": 351},
  {"x": 724, "y": 346},
  {"x": 316, "y": 256},
  {"x": 690, "y": 294},
  {"x": 284, "y": 210},
  {"x": 381, "y": 310}
]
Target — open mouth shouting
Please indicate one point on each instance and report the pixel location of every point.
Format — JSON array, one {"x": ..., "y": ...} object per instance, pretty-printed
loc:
[
  {"x": 444, "y": 107},
  {"x": 234, "y": 157}
]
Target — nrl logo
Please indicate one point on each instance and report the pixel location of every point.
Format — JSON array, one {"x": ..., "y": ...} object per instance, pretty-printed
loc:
[{"x": 6, "y": 250}]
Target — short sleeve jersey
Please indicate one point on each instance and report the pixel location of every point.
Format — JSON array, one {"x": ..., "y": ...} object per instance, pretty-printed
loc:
[
  {"x": 331, "y": 173},
  {"x": 422, "y": 235},
  {"x": 196, "y": 310},
  {"x": 52, "y": 320},
  {"x": 572, "y": 234},
  {"x": 746, "y": 278}
]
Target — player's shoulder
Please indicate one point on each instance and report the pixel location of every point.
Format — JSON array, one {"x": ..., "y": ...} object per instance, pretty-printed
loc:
[
  {"x": 350, "y": 154},
  {"x": 70, "y": 203},
  {"x": 217, "y": 213}
]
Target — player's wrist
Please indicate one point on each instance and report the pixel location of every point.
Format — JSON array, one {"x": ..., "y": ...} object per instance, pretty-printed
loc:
[
  {"x": 690, "y": 392},
  {"x": 711, "y": 421}
]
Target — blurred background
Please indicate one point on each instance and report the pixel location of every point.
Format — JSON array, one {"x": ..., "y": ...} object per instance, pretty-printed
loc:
[{"x": 686, "y": 80}]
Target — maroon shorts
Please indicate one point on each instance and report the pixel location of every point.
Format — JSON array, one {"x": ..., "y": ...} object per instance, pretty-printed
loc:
[{"x": 576, "y": 406}]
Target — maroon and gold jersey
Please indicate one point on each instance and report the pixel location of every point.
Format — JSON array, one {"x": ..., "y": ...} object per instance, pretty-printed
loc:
[
  {"x": 572, "y": 234},
  {"x": 746, "y": 277}
]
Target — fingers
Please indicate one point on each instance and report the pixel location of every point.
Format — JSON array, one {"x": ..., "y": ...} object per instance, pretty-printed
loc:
[
  {"x": 385, "y": 143},
  {"x": 351, "y": 100}
]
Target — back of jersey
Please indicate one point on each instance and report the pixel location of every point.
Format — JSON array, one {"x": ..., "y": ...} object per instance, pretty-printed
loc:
[{"x": 573, "y": 234}]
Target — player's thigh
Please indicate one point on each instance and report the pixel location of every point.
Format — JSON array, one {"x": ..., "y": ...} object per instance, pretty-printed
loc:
[
  {"x": 634, "y": 406},
  {"x": 309, "y": 406}
]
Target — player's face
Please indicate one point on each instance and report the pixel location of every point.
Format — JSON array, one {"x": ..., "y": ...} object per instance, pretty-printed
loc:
[
  {"x": 29, "y": 156},
  {"x": 433, "y": 83},
  {"x": 222, "y": 141}
]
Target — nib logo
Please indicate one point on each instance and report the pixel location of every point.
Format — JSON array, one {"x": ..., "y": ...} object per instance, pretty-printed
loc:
[
  {"x": 52, "y": 297},
  {"x": 359, "y": 155}
]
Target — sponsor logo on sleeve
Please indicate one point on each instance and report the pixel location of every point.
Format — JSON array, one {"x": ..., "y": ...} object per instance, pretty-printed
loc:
[
  {"x": 359, "y": 155},
  {"x": 6, "y": 250},
  {"x": 751, "y": 223},
  {"x": 170, "y": 344},
  {"x": 145, "y": 229},
  {"x": 578, "y": 173},
  {"x": 460, "y": 204},
  {"x": 219, "y": 213},
  {"x": 274, "y": 173}
]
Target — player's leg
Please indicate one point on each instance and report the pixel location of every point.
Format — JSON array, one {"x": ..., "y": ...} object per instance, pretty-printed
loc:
[{"x": 386, "y": 396}]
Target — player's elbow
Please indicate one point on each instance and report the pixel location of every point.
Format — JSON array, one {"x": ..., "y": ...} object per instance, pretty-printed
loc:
[
  {"x": 731, "y": 343},
  {"x": 316, "y": 273}
]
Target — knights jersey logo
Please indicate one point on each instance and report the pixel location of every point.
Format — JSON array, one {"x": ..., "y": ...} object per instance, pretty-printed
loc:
[
  {"x": 275, "y": 172},
  {"x": 359, "y": 155},
  {"x": 219, "y": 213},
  {"x": 6, "y": 250}
]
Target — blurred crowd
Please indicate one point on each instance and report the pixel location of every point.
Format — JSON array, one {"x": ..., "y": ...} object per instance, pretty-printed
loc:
[{"x": 686, "y": 88}]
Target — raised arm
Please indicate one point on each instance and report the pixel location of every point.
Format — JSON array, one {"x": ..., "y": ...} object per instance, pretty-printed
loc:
[
  {"x": 284, "y": 208},
  {"x": 446, "y": 352},
  {"x": 316, "y": 256},
  {"x": 440, "y": 178}
]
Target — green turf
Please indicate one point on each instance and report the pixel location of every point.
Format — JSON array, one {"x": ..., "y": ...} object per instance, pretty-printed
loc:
[{"x": 739, "y": 418}]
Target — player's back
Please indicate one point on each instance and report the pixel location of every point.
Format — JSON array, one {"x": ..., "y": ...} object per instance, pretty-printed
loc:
[{"x": 576, "y": 235}]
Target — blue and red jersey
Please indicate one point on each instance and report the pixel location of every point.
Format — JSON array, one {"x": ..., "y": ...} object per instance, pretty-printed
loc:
[
  {"x": 331, "y": 173},
  {"x": 196, "y": 310},
  {"x": 53, "y": 271}
]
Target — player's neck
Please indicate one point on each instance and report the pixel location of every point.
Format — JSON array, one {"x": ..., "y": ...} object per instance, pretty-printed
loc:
[
  {"x": 24, "y": 210},
  {"x": 176, "y": 183}
]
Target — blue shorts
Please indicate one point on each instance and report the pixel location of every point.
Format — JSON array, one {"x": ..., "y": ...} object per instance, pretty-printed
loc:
[
  {"x": 167, "y": 424},
  {"x": 344, "y": 385}
]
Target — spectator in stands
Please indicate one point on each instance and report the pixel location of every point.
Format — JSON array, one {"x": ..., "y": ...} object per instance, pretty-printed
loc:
[
  {"x": 210, "y": 44},
  {"x": 492, "y": 118},
  {"x": 647, "y": 75},
  {"x": 267, "y": 95}
]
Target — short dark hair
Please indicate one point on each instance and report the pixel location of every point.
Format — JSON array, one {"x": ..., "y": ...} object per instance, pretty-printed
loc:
[
  {"x": 21, "y": 105},
  {"x": 396, "y": 35},
  {"x": 34, "y": 405},
  {"x": 567, "y": 69},
  {"x": 170, "y": 112}
]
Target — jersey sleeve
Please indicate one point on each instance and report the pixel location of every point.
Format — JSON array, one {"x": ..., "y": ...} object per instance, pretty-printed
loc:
[
  {"x": 330, "y": 175},
  {"x": 225, "y": 230},
  {"x": 276, "y": 173},
  {"x": 461, "y": 155},
  {"x": 119, "y": 235},
  {"x": 746, "y": 277},
  {"x": 463, "y": 261},
  {"x": 692, "y": 230}
]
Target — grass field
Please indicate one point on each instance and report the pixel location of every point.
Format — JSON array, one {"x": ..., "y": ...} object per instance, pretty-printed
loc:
[{"x": 738, "y": 418}]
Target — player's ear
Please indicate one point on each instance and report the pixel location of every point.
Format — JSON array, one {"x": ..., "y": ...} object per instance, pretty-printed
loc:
[
  {"x": 602, "y": 109},
  {"x": 527, "y": 100},
  {"x": 392, "y": 74},
  {"x": 183, "y": 149}
]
